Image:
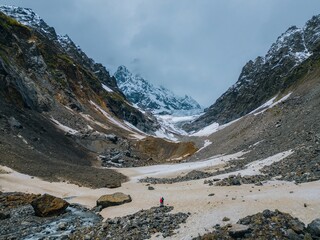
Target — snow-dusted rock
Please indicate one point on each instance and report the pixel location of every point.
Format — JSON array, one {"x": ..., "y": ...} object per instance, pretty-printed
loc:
[{"x": 148, "y": 97}]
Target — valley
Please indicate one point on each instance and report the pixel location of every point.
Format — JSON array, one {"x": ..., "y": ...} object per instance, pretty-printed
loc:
[{"x": 248, "y": 167}]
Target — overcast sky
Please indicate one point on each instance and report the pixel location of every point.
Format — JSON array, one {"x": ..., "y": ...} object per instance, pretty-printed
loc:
[{"x": 191, "y": 47}]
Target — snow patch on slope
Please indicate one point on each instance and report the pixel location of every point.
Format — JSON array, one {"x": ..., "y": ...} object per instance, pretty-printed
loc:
[
  {"x": 128, "y": 127},
  {"x": 64, "y": 127},
  {"x": 107, "y": 88},
  {"x": 269, "y": 104},
  {"x": 212, "y": 128}
]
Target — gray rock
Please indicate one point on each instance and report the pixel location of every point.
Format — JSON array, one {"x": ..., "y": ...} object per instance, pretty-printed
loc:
[
  {"x": 292, "y": 235},
  {"x": 4, "y": 215},
  {"x": 314, "y": 227},
  {"x": 238, "y": 230},
  {"x": 14, "y": 123}
]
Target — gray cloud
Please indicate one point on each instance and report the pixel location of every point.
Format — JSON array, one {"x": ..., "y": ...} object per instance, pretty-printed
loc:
[{"x": 191, "y": 47}]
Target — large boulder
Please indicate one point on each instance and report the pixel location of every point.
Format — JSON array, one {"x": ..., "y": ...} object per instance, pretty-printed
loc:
[
  {"x": 114, "y": 199},
  {"x": 47, "y": 205}
]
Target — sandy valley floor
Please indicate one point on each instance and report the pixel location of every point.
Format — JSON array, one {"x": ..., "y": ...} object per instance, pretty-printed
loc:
[{"x": 192, "y": 196}]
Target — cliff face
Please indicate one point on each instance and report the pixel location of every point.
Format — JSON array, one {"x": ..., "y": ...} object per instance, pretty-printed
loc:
[
  {"x": 47, "y": 69},
  {"x": 264, "y": 77}
]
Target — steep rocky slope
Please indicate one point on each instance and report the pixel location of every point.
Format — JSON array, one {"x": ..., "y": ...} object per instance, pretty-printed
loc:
[
  {"x": 146, "y": 96},
  {"x": 264, "y": 77},
  {"x": 60, "y": 110},
  {"x": 290, "y": 125}
]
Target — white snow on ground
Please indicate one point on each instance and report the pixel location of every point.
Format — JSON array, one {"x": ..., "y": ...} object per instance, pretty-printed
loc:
[
  {"x": 265, "y": 105},
  {"x": 163, "y": 133},
  {"x": 129, "y": 126},
  {"x": 90, "y": 119},
  {"x": 256, "y": 144},
  {"x": 109, "y": 117},
  {"x": 269, "y": 104},
  {"x": 169, "y": 169},
  {"x": 205, "y": 144},
  {"x": 107, "y": 88},
  {"x": 254, "y": 168},
  {"x": 172, "y": 123},
  {"x": 177, "y": 119},
  {"x": 165, "y": 170},
  {"x": 214, "y": 127},
  {"x": 23, "y": 139},
  {"x": 140, "y": 136},
  {"x": 206, "y": 131},
  {"x": 64, "y": 127}
]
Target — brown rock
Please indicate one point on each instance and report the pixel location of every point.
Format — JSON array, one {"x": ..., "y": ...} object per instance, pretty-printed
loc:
[
  {"x": 48, "y": 205},
  {"x": 115, "y": 199},
  {"x": 16, "y": 199}
]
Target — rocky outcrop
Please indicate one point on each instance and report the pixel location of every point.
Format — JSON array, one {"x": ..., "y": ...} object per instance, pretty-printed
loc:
[
  {"x": 264, "y": 77},
  {"x": 314, "y": 227},
  {"x": 48, "y": 205},
  {"x": 148, "y": 97},
  {"x": 114, "y": 199}
]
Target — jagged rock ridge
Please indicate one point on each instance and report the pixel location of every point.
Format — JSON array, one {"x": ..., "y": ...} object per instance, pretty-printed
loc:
[
  {"x": 264, "y": 77},
  {"x": 151, "y": 98}
]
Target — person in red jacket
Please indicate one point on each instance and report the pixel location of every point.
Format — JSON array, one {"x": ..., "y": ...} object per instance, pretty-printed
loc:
[{"x": 161, "y": 202}]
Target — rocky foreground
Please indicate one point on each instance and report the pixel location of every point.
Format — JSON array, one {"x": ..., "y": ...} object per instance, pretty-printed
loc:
[{"x": 30, "y": 216}]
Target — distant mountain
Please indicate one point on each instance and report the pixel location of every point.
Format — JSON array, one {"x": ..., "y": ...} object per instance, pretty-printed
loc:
[
  {"x": 264, "y": 77},
  {"x": 146, "y": 96}
]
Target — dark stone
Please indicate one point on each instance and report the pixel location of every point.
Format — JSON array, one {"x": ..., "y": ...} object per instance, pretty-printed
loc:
[
  {"x": 4, "y": 215},
  {"x": 314, "y": 227}
]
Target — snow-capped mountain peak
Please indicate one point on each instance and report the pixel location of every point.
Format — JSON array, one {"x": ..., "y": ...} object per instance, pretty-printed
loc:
[
  {"x": 156, "y": 99},
  {"x": 29, "y": 18}
]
